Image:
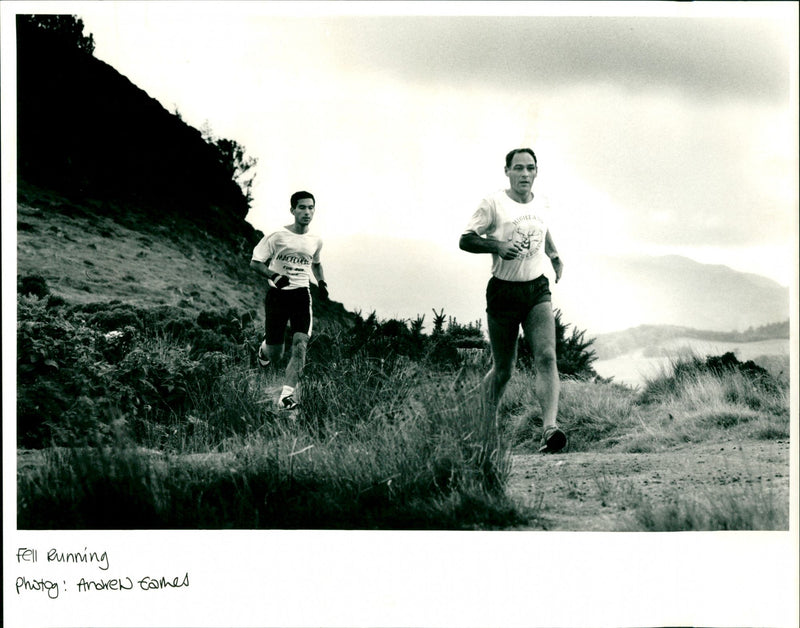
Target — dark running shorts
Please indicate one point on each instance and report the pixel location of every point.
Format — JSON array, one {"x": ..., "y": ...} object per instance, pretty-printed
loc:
[
  {"x": 286, "y": 306},
  {"x": 512, "y": 301}
]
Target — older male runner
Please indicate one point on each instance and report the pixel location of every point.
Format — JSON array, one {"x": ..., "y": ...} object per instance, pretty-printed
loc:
[
  {"x": 509, "y": 226},
  {"x": 287, "y": 258}
]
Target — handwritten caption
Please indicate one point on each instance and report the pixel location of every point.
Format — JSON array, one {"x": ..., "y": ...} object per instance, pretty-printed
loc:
[{"x": 99, "y": 580}]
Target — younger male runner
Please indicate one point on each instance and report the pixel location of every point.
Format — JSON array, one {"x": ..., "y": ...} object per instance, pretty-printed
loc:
[{"x": 287, "y": 258}]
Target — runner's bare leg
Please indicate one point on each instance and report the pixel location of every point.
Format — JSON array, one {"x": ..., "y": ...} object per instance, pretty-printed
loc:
[
  {"x": 503, "y": 340},
  {"x": 297, "y": 359},
  {"x": 540, "y": 330}
]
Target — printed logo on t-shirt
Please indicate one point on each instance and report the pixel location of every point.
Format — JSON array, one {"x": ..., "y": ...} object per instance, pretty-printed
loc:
[
  {"x": 528, "y": 232},
  {"x": 293, "y": 264},
  {"x": 288, "y": 258}
]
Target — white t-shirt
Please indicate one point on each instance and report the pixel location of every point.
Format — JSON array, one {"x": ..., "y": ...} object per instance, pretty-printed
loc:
[
  {"x": 500, "y": 218},
  {"x": 290, "y": 254}
]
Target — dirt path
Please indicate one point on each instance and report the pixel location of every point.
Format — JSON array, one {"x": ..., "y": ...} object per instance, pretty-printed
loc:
[{"x": 599, "y": 491}]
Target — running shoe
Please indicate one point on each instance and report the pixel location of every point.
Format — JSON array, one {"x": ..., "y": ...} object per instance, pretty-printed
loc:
[
  {"x": 262, "y": 360},
  {"x": 553, "y": 440},
  {"x": 288, "y": 403}
]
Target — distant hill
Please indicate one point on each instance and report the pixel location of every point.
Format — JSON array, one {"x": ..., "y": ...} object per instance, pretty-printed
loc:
[
  {"x": 626, "y": 292},
  {"x": 648, "y": 338},
  {"x": 634, "y": 355}
]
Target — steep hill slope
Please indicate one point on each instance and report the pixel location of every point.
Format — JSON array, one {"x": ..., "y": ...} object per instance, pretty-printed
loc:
[
  {"x": 85, "y": 130},
  {"x": 86, "y": 256},
  {"x": 119, "y": 199}
]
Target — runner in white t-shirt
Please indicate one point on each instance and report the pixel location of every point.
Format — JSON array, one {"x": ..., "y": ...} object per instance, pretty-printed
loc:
[
  {"x": 288, "y": 258},
  {"x": 508, "y": 225}
]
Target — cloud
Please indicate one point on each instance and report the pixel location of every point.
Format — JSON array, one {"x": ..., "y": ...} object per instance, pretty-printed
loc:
[
  {"x": 679, "y": 172},
  {"x": 704, "y": 57}
]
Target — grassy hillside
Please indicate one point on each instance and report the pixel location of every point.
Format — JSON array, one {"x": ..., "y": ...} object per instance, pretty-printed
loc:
[
  {"x": 88, "y": 256},
  {"x": 96, "y": 251},
  {"x": 119, "y": 199}
]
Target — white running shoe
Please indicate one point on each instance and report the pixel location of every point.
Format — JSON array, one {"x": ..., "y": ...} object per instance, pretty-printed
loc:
[
  {"x": 262, "y": 360},
  {"x": 288, "y": 403}
]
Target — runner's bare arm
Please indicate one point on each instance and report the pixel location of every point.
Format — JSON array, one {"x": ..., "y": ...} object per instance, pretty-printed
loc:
[
  {"x": 471, "y": 242},
  {"x": 552, "y": 252},
  {"x": 550, "y": 246},
  {"x": 262, "y": 268},
  {"x": 319, "y": 274}
]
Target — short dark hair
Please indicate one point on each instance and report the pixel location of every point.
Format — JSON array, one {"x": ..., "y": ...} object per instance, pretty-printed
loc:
[
  {"x": 301, "y": 194},
  {"x": 510, "y": 155}
]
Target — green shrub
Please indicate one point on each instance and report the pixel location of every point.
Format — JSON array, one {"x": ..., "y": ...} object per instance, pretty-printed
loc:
[
  {"x": 388, "y": 341},
  {"x": 224, "y": 322},
  {"x": 686, "y": 370},
  {"x": 114, "y": 318},
  {"x": 573, "y": 353},
  {"x": 115, "y": 345},
  {"x": 80, "y": 369},
  {"x": 33, "y": 285},
  {"x": 53, "y": 354}
]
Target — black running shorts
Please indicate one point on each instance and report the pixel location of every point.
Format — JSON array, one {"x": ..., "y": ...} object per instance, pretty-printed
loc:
[
  {"x": 511, "y": 301},
  {"x": 286, "y": 306}
]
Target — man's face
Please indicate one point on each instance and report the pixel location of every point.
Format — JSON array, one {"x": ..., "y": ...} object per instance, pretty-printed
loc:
[
  {"x": 521, "y": 173},
  {"x": 303, "y": 211}
]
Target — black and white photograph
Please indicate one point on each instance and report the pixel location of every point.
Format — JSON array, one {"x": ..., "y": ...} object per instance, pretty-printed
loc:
[{"x": 400, "y": 313}]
